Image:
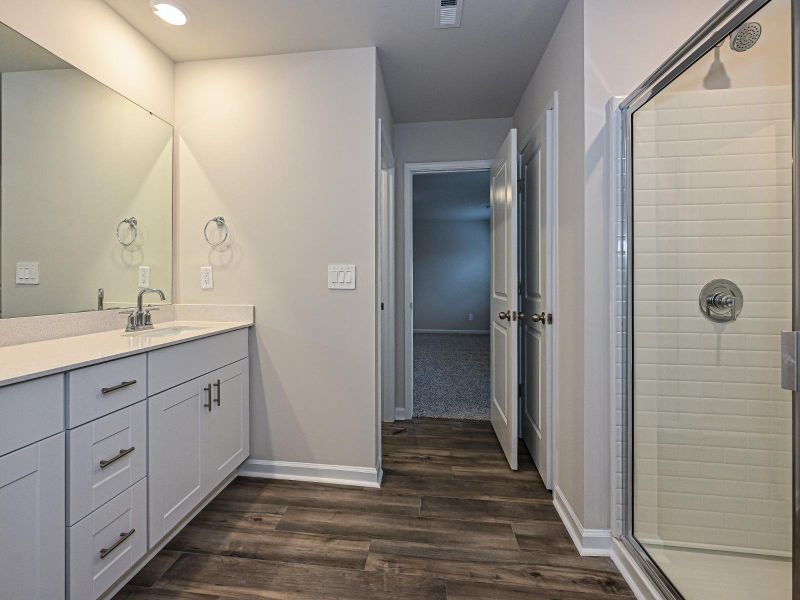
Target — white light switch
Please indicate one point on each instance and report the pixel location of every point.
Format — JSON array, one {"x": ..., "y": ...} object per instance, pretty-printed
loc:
[
  {"x": 27, "y": 273},
  {"x": 206, "y": 278},
  {"x": 144, "y": 277},
  {"x": 341, "y": 277}
]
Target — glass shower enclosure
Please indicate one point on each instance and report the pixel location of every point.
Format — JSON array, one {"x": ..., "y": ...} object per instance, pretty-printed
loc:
[{"x": 708, "y": 280}]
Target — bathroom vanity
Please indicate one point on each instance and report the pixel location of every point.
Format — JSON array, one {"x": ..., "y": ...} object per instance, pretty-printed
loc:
[{"x": 110, "y": 443}]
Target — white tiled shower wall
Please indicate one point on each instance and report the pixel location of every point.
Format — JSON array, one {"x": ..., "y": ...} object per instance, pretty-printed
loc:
[{"x": 712, "y": 193}]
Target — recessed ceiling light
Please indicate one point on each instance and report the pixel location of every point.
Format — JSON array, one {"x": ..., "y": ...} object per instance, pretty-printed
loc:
[{"x": 170, "y": 12}]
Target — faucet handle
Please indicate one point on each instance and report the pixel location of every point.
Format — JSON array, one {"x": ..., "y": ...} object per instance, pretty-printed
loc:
[
  {"x": 131, "y": 319},
  {"x": 148, "y": 318}
]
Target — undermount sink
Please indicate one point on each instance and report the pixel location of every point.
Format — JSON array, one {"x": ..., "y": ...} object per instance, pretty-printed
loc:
[{"x": 166, "y": 331}]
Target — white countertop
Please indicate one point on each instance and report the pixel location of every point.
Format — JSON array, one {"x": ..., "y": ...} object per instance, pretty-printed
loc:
[{"x": 38, "y": 359}]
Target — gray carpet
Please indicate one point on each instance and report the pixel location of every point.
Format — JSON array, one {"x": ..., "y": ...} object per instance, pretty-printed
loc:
[{"x": 451, "y": 376}]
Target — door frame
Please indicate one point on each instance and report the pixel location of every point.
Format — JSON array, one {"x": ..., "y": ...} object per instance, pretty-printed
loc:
[
  {"x": 409, "y": 170},
  {"x": 714, "y": 31},
  {"x": 385, "y": 337},
  {"x": 551, "y": 169},
  {"x": 386, "y": 257}
]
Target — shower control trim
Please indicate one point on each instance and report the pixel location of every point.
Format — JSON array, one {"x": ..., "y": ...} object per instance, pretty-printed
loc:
[{"x": 721, "y": 300}]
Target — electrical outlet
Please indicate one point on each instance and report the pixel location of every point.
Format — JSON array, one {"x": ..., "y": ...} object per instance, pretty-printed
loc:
[
  {"x": 144, "y": 277},
  {"x": 206, "y": 278},
  {"x": 471, "y": 316}
]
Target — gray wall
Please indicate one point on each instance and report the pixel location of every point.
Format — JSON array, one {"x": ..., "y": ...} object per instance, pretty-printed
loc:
[
  {"x": 246, "y": 127},
  {"x": 451, "y": 275}
]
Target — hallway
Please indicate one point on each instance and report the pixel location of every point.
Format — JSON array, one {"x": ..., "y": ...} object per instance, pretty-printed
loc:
[{"x": 451, "y": 522}]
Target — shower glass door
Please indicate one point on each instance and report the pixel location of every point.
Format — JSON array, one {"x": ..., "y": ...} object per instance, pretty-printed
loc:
[{"x": 710, "y": 253}]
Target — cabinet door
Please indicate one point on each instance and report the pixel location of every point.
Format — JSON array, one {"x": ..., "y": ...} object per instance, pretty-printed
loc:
[
  {"x": 227, "y": 434},
  {"x": 32, "y": 507},
  {"x": 175, "y": 421}
]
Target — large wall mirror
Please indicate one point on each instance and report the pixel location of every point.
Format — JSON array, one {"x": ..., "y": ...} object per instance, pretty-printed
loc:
[{"x": 86, "y": 189}]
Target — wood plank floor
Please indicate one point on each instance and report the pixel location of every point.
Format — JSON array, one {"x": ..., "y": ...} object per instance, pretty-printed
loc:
[{"x": 451, "y": 522}]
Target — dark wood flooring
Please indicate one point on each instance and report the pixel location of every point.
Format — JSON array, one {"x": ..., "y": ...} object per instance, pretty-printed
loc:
[{"x": 451, "y": 522}]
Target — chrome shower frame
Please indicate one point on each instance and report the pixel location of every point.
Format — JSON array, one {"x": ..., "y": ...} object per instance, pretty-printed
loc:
[{"x": 721, "y": 25}]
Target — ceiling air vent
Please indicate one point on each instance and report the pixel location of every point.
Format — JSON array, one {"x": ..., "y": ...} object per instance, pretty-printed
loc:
[{"x": 448, "y": 13}]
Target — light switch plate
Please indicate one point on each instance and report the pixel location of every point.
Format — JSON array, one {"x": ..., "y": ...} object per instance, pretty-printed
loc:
[
  {"x": 341, "y": 277},
  {"x": 27, "y": 273},
  {"x": 206, "y": 278},
  {"x": 144, "y": 277}
]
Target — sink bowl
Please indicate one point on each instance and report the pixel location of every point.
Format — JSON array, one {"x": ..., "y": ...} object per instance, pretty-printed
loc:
[{"x": 160, "y": 332}]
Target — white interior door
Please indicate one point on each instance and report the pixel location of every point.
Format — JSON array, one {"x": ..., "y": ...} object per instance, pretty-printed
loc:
[
  {"x": 504, "y": 351},
  {"x": 534, "y": 320}
]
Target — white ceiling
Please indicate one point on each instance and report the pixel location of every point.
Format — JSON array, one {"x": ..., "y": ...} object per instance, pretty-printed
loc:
[
  {"x": 452, "y": 196},
  {"x": 479, "y": 70}
]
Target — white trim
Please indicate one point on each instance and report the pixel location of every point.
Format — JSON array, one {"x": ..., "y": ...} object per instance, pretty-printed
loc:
[
  {"x": 400, "y": 413},
  {"x": 637, "y": 580},
  {"x": 459, "y": 331},
  {"x": 409, "y": 171},
  {"x": 384, "y": 319},
  {"x": 311, "y": 472},
  {"x": 589, "y": 542}
]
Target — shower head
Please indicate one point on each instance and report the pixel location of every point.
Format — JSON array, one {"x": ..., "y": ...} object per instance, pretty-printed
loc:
[{"x": 745, "y": 37}]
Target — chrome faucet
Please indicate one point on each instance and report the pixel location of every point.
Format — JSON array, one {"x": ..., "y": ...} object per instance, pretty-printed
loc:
[{"x": 141, "y": 318}]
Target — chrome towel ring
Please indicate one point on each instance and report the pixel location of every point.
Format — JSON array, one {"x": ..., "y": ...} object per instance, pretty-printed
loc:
[
  {"x": 134, "y": 225},
  {"x": 220, "y": 221}
]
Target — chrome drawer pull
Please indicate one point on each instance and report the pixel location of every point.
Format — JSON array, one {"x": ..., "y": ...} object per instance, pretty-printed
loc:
[
  {"x": 122, "y": 537},
  {"x": 120, "y": 386},
  {"x": 111, "y": 461},
  {"x": 218, "y": 399}
]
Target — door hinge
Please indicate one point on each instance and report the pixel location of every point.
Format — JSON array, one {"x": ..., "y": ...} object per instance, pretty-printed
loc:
[
  {"x": 519, "y": 389},
  {"x": 381, "y": 305},
  {"x": 520, "y": 185}
]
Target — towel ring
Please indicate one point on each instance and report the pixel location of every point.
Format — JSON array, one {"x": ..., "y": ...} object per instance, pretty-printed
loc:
[
  {"x": 133, "y": 224},
  {"x": 220, "y": 221}
]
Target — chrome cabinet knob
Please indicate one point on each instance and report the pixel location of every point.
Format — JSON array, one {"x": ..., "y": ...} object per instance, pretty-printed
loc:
[
  {"x": 505, "y": 315},
  {"x": 540, "y": 318}
]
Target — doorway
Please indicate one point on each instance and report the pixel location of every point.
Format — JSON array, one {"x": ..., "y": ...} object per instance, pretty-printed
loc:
[
  {"x": 521, "y": 377},
  {"x": 451, "y": 254}
]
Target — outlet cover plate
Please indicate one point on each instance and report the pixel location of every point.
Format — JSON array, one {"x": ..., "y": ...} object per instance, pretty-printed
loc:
[{"x": 206, "y": 278}]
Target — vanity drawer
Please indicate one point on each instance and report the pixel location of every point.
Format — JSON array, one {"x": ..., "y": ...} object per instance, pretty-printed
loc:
[
  {"x": 101, "y": 389},
  {"x": 106, "y": 457},
  {"x": 178, "y": 364},
  {"x": 104, "y": 545},
  {"x": 30, "y": 411}
]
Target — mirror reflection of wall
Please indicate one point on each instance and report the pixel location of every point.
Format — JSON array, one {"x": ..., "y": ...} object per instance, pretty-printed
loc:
[{"x": 77, "y": 159}]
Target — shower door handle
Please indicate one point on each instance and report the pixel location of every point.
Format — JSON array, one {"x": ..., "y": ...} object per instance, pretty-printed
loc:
[{"x": 789, "y": 353}]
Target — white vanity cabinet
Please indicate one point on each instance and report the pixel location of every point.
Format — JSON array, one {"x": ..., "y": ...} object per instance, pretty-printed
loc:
[
  {"x": 100, "y": 465},
  {"x": 32, "y": 521},
  {"x": 32, "y": 502},
  {"x": 199, "y": 431}
]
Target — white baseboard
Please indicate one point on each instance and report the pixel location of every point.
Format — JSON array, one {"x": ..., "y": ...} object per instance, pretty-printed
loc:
[
  {"x": 638, "y": 581},
  {"x": 400, "y": 413},
  {"x": 589, "y": 542},
  {"x": 464, "y": 331},
  {"x": 315, "y": 473},
  {"x": 599, "y": 542}
]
